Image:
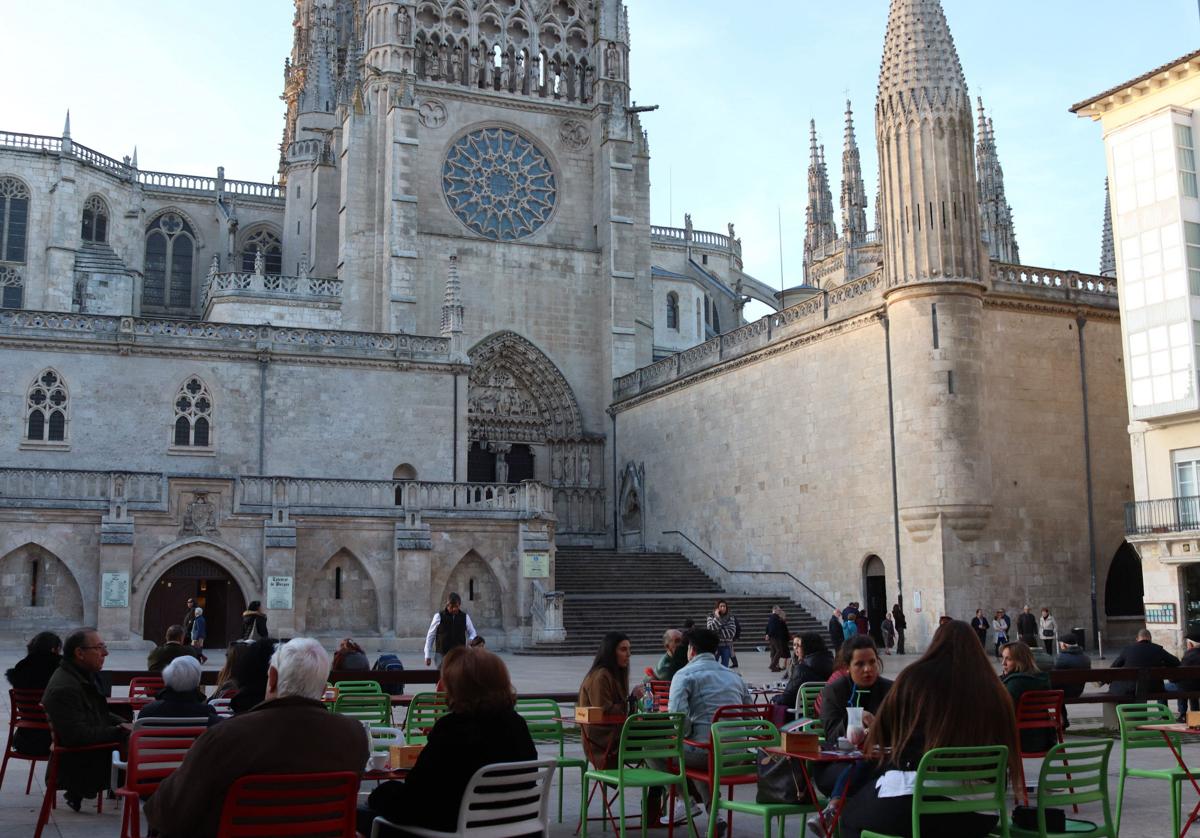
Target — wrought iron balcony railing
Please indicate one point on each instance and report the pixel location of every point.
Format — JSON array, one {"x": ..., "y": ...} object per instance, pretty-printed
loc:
[{"x": 1167, "y": 515}]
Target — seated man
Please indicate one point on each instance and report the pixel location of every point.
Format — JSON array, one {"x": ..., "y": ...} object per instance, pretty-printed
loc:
[
  {"x": 79, "y": 714},
  {"x": 289, "y": 732},
  {"x": 675, "y": 656},
  {"x": 697, "y": 691},
  {"x": 182, "y": 697},
  {"x": 1143, "y": 652},
  {"x": 173, "y": 648},
  {"x": 1191, "y": 657},
  {"x": 1071, "y": 656}
]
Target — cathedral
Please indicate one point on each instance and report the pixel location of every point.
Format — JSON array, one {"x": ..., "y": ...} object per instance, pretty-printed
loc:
[{"x": 446, "y": 340}]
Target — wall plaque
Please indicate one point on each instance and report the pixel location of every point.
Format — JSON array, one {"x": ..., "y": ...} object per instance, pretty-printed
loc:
[
  {"x": 535, "y": 565},
  {"x": 279, "y": 592},
  {"x": 1160, "y": 613},
  {"x": 114, "y": 590}
]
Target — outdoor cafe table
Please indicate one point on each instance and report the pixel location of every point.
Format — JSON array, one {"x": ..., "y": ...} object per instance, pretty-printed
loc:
[
  {"x": 821, "y": 758},
  {"x": 599, "y": 760},
  {"x": 1181, "y": 730}
]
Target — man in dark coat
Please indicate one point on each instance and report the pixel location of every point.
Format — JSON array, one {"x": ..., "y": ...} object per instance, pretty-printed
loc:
[
  {"x": 189, "y": 618},
  {"x": 79, "y": 715},
  {"x": 1027, "y": 624},
  {"x": 777, "y": 636},
  {"x": 254, "y": 621},
  {"x": 1142, "y": 653},
  {"x": 1191, "y": 657},
  {"x": 172, "y": 648},
  {"x": 1071, "y": 656},
  {"x": 836, "y": 633},
  {"x": 901, "y": 624},
  {"x": 290, "y": 732}
]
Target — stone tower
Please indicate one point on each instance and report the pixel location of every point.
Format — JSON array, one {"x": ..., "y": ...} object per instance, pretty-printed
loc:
[
  {"x": 820, "y": 229},
  {"x": 934, "y": 264},
  {"x": 994, "y": 210}
]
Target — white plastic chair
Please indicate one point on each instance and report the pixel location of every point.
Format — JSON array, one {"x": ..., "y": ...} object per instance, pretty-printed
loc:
[
  {"x": 383, "y": 737},
  {"x": 489, "y": 798},
  {"x": 223, "y": 706}
]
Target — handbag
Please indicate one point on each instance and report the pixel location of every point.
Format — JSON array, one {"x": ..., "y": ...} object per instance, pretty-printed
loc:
[
  {"x": 1026, "y": 818},
  {"x": 780, "y": 780}
]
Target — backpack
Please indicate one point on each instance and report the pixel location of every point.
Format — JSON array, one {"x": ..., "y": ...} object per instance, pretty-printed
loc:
[
  {"x": 389, "y": 663},
  {"x": 737, "y": 629}
]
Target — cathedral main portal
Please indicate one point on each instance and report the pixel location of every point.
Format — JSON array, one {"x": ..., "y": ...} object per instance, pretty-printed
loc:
[{"x": 213, "y": 589}]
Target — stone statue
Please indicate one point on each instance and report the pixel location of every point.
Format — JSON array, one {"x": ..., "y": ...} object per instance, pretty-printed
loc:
[
  {"x": 568, "y": 468},
  {"x": 504, "y": 74},
  {"x": 473, "y": 67},
  {"x": 555, "y": 469},
  {"x": 501, "y": 450},
  {"x": 732, "y": 237},
  {"x": 260, "y": 262},
  {"x": 585, "y": 468},
  {"x": 302, "y": 268},
  {"x": 612, "y": 60},
  {"x": 444, "y": 62},
  {"x": 403, "y": 24},
  {"x": 456, "y": 65},
  {"x": 431, "y": 62},
  {"x": 215, "y": 265},
  {"x": 687, "y": 225}
]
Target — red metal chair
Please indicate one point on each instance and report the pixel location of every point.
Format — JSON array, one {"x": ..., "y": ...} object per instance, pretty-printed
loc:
[
  {"x": 153, "y": 754},
  {"x": 27, "y": 714},
  {"x": 661, "y": 690},
  {"x": 291, "y": 804},
  {"x": 143, "y": 689},
  {"x": 705, "y": 775},
  {"x": 49, "y": 801},
  {"x": 1038, "y": 710}
]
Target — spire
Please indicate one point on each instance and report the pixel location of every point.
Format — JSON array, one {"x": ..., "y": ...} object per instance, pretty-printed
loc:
[
  {"x": 995, "y": 214},
  {"x": 452, "y": 307},
  {"x": 819, "y": 228},
  {"x": 929, "y": 200},
  {"x": 854, "y": 194},
  {"x": 1108, "y": 258},
  {"x": 67, "y": 125},
  {"x": 133, "y": 160}
]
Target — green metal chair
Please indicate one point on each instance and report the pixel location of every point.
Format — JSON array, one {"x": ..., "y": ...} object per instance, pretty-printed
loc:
[
  {"x": 958, "y": 781},
  {"x": 735, "y": 746},
  {"x": 542, "y": 716},
  {"x": 656, "y": 737},
  {"x": 357, "y": 687},
  {"x": 423, "y": 712},
  {"x": 366, "y": 707},
  {"x": 806, "y": 699},
  {"x": 1130, "y": 717},
  {"x": 1074, "y": 773}
]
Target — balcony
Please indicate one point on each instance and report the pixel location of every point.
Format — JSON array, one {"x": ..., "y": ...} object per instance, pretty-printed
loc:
[{"x": 1167, "y": 515}]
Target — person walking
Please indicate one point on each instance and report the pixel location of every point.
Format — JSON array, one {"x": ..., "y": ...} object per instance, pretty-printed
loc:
[
  {"x": 449, "y": 628},
  {"x": 1048, "y": 631},
  {"x": 980, "y": 624},
  {"x": 724, "y": 624},
  {"x": 1026, "y": 624},
  {"x": 888, "y": 628},
  {"x": 776, "y": 634},
  {"x": 1000, "y": 628},
  {"x": 850, "y": 627},
  {"x": 836, "y": 634},
  {"x": 901, "y": 624},
  {"x": 189, "y": 617},
  {"x": 254, "y": 621},
  {"x": 199, "y": 633}
]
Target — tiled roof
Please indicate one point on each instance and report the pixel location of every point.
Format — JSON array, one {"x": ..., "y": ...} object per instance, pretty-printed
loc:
[{"x": 1132, "y": 82}]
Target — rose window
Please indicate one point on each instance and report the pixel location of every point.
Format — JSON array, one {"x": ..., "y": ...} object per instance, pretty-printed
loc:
[{"x": 499, "y": 184}]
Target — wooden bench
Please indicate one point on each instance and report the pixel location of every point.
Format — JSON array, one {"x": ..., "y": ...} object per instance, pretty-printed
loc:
[{"x": 1142, "y": 678}]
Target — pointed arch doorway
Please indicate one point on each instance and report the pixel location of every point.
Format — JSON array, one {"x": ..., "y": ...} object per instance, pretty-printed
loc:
[
  {"x": 875, "y": 594},
  {"x": 214, "y": 590}
]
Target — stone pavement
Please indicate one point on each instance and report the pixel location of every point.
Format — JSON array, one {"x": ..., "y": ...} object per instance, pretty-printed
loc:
[{"x": 1147, "y": 811}]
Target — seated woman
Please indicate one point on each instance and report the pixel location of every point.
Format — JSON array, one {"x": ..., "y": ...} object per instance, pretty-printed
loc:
[
  {"x": 607, "y": 686},
  {"x": 947, "y": 698},
  {"x": 251, "y": 674},
  {"x": 481, "y": 728},
  {"x": 861, "y": 686},
  {"x": 811, "y": 661},
  {"x": 42, "y": 656},
  {"x": 1021, "y": 675},
  {"x": 182, "y": 697},
  {"x": 350, "y": 657},
  {"x": 227, "y": 685}
]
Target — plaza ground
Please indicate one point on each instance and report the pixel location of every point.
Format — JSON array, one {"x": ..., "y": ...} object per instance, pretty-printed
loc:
[{"x": 1147, "y": 803}]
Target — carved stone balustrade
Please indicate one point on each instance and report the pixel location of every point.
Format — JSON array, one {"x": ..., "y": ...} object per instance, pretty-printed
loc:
[
  {"x": 388, "y": 498},
  {"x": 274, "y": 286},
  {"x": 78, "y": 489},
  {"x": 1067, "y": 281}
]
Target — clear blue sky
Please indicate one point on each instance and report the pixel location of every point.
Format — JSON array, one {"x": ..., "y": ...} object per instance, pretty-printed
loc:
[{"x": 197, "y": 85}]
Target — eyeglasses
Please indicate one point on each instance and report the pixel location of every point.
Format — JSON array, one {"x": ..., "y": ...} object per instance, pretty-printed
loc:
[{"x": 97, "y": 646}]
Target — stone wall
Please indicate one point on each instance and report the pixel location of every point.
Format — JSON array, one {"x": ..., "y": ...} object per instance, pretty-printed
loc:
[
  {"x": 46, "y": 596},
  {"x": 351, "y": 607}
]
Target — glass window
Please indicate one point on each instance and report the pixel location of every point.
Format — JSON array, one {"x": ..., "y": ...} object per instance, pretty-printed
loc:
[
  {"x": 95, "y": 220},
  {"x": 1185, "y": 159},
  {"x": 46, "y": 406},
  {"x": 170, "y": 252},
  {"x": 673, "y": 311},
  {"x": 193, "y": 415},
  {"x": 1191, "y": 234},
  {"x": 268, "y": 242},
  {"x": 14, "y": 219}
]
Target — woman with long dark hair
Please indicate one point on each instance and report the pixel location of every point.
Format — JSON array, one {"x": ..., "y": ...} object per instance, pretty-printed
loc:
[
  {"x": 32, "y": 672},
  {"x": 607, "y": 686},
  {"x": 950, "y": 697}
]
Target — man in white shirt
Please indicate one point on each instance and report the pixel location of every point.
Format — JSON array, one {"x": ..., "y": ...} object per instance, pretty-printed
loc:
[{"x": 449, "y": 627}]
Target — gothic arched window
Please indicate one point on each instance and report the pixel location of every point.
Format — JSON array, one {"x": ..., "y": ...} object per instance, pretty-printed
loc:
[
  {"x": 673, "y": 311},
  {"x": 716, "y": 319},
  {"x": 272, "y": 250},
  {"x": 170, "y": 252},
  {"x": 193, "y": 415},
  {"x": 95, "y": 220},
  {"x": 14, "y": 223},
  {"x": 46, "y": 409}
]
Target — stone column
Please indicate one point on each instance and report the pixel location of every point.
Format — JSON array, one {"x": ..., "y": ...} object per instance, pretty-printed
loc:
[
  {"x": 115, "y": 621},
  {"x": 279, "y": 560},
  {"x": 411, "y": 569}
]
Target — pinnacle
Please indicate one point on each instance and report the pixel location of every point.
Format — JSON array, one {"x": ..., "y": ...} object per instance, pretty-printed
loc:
[{"x": 918, "y": 52}]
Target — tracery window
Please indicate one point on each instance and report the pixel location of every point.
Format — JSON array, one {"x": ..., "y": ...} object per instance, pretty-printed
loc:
[
  {"x": 673, "y": 311},
  {"x": 170, "y": 251},
  {"x": 193, "y": 415},
  {"x": 14, "y": 223},
  {"x": 46, "y": 407},
  {"x": 271, "y": 248},
  {"x": 95, "y": 220}
]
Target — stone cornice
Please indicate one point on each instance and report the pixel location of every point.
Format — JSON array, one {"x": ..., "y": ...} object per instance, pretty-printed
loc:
[
  {"x": 509, "y": 101},
  {"x": 1029, "y": 305}
]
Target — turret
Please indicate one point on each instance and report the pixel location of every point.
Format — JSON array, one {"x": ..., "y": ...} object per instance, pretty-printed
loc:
[
  {"x": 819, "y": 225},
  {"x": 994, "y": 211}
]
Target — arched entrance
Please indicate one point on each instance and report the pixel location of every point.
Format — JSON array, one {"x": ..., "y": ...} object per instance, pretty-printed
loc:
[
  {"x": 480, "y": 590},
  {"x": 875, "y": 594},
  {"x": 214, "y": 590},
  {"x": 1123, "y": 590}
]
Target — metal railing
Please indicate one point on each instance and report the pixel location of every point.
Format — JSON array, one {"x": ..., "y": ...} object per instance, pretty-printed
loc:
[
  {"x": 1148, "y": 517},
  {"x": 732, "y": 572}
]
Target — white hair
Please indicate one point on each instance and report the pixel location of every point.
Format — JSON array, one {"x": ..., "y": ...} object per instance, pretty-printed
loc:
[
  {"x": 303, "y": 667},
  {"x": 182, "y": 674},
  {"x": 199, "y": 611}
]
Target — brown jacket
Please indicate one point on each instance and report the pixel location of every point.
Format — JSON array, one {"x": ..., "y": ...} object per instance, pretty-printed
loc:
[
  {"x": 283, "y": 736},
  {"x": 602, "y": 689}
]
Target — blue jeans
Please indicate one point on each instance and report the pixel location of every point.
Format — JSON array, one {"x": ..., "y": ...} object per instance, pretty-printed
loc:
[
  {"x": 1181, "y": 704},
  {"x": 724, "y": 654}
]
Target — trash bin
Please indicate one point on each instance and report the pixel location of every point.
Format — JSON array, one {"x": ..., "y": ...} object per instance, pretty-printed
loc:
[{"x": 1080, "y": 636}]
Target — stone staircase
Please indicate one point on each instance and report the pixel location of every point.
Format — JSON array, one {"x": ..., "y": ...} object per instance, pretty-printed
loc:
[{"x": 641, "y": 594}]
